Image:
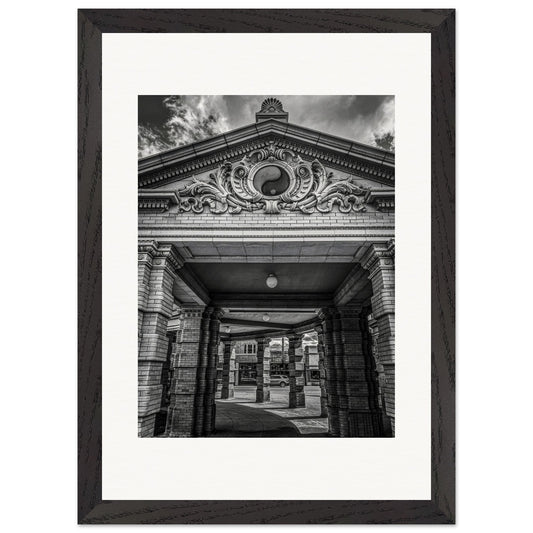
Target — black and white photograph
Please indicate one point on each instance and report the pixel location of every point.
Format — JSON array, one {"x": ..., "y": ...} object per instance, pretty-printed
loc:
[{"x": 266, "y": 277}]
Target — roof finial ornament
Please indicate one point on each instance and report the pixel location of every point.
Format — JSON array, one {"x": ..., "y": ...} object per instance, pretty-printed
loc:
[
  {"x": 271, "y": 108},
  {"x": 271, "y": 105}
]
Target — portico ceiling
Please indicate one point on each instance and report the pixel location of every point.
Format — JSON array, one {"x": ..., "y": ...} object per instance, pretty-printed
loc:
[{"x": 249, "y": 278}]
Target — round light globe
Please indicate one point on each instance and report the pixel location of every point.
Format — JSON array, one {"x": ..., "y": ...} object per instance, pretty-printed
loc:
[
  {"x": 266, "y": 317},
  {"x": 271, "y": 281}
]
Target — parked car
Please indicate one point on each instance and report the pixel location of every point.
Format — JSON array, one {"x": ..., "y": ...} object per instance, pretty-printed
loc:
[{"x": 276, "y": 379}]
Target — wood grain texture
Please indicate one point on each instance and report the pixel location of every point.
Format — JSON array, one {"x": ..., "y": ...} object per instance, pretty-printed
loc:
[{"x": 91, "y": 509}]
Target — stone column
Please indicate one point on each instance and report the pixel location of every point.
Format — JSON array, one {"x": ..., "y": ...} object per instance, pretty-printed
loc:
[
  {"x": 220, "y": 361},
  {"x": 262, "y": 393},
  {"x": 201, "y": 372},
  {"x": 183, "y": 390},
  {"x": 322, "y": 372},
  {"x": 371, "y": 342},
  {"x": 228, "y": 371},
  {"x": 296, "y": 372},
  {"x": 340, "y": 373},
  {"x": 360, "y": 383},
  {"x": 211, "y": 373},
  {"x": 326, "y": 316},
  {"x": 157, "y": 271},
  {"x": 379, "y": 261}
]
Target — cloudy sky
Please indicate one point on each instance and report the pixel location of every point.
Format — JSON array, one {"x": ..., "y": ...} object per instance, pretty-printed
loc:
[{"x": 166, "y": 122}]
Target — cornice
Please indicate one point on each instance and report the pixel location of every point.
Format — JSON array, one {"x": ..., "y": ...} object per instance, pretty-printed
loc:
[
  {"x": 159, "y": 201},
  {"x": 356, "y": 158},
  {"x": 383, "y": 199}
]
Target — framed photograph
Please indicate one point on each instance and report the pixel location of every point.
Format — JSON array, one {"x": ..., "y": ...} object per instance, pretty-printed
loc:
[{"x": 266, "y": 317}]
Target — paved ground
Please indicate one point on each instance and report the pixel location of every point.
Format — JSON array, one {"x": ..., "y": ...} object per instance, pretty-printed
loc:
[{"x": 242, "y": 417}]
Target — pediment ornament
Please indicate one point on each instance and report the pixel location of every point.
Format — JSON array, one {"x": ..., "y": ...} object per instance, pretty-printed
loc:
[{"x": 270, "y": 180}]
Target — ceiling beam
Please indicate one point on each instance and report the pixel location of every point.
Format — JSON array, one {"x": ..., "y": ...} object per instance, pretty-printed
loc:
[
  {"x": 251, "y": 335},
  {"x": 241, "y": 322},
  {"x": 271, "y": 301},
  {"x": 355, "y": 284},
  {"x": 188, "y": 289}
]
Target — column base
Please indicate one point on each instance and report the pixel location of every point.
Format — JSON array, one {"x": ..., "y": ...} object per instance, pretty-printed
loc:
[
  {"x": 146, "y": 425},
  {"x": 262, "y": 396},
  {"x": 296, "y": 399},
  {"x": 365, "y": 424},
  {"x": 228, "y": 393}
]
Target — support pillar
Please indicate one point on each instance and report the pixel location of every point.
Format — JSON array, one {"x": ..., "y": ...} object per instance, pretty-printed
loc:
[
  {"x": 322, "y": 373},
  {"x": 363, "y": 413},
  {"x": 157, "y": 269},
  {"x": 379, "y": 261},
  {"x": 228, "y": 371},
  {"x": 220, "y": 362},
  {"x": 326, "y": 316},
  {"x": 209, "y": 404},
  {"x": 183, "y": 390},
  {"x": 262, "y": 393},
  {"x": 296, "y": 372},
  {"x": 340, "y": 373}
]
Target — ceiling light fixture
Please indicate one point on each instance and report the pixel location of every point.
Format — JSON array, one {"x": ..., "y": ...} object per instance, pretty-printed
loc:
[
  {"x": 266, "y": 317},
  {"x": 228, "y": 329},
  {"x": 272, "y": 281}
]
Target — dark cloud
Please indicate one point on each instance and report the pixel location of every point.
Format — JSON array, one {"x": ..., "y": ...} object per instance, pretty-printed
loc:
[{"x": 166, "y": 122}]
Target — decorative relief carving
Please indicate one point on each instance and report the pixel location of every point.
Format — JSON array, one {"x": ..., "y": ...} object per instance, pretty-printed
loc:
[{"x": 271, "y": 179}]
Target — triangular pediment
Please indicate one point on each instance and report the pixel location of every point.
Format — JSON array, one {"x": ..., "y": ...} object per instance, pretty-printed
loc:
[{"x": 349, "y": 156}]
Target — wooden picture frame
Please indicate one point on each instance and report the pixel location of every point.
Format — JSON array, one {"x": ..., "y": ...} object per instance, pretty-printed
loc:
[{"x": 441, "y": 507}]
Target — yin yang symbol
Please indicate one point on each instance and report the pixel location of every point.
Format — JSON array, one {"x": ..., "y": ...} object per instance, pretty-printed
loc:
[{"x": 271, "y": 180}]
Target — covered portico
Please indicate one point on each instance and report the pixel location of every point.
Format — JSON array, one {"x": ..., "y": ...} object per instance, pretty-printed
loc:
[
  {"x": 270, "y": 219},
  {"x": 213, "y": 293}
]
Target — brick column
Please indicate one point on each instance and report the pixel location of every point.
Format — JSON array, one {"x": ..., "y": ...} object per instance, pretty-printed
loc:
[
  {"x": 181, "y": 411},
  {"x": 361, "y": 388},
  {"x": 201, "y": 372},
  {"x": 322, "y": 372},
  {"x": 211, "y": 373},
  {"x": 228, "y": 371},
  {"x": 340, "y": 373},
  {"x": 157, "y": 271},
  {"x": 379, "y": 261},
  {"x": 296, "y": 372},
  {"x": 220, "y": 362},
  {"x": 326, "y": 316},
  {"x": 262, "y": 393}
]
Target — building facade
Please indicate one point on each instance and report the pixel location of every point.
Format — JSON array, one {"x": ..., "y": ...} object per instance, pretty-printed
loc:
[{"x": 270, "y": 231}]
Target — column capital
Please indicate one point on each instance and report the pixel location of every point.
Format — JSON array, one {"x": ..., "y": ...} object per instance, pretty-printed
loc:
[
  {"x": 352, "y": 310},
  {"x": 167, "y": 255},
  {"x": 160, "y": 254},
  {"x": 215, "y": 313},
  {"x": 327, "y": 313},
  {"x": 192, "y": 311},
  {"x": 379, "y": 256}
]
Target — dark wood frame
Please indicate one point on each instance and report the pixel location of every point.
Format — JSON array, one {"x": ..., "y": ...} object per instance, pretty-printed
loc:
[{"x": 91, "y": 508}]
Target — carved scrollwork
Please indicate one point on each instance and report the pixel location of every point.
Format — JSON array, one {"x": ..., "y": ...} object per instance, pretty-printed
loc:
[{"x": 271, "y": 179}]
